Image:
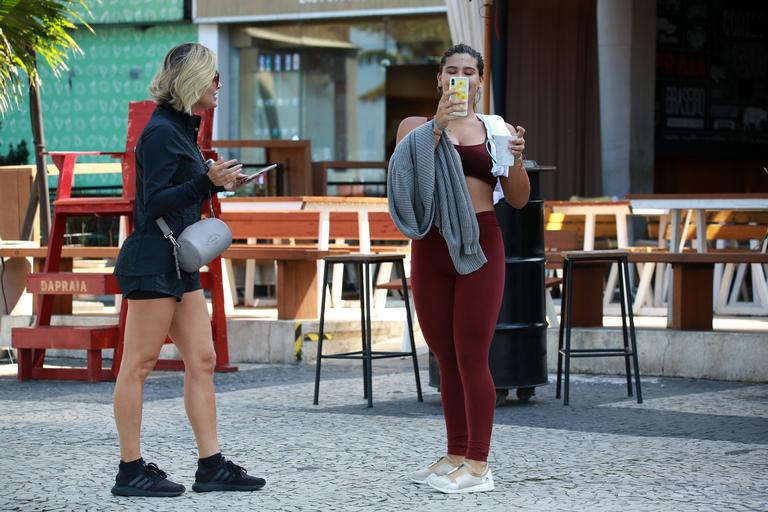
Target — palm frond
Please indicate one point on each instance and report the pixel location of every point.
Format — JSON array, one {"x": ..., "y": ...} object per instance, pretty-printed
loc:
[{"x": 32, "y": 30}]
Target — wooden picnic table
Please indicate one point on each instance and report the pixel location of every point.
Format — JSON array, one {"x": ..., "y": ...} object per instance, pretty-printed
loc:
[
  {"x": 590, "y": 210},
  {"x": 674, "y": 204},
  {"x": 325, "y": 205},
  {"x": 691, "y": 304}
]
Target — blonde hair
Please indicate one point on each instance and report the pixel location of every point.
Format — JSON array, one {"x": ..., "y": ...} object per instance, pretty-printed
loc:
[{"x": 186, "y": 72}]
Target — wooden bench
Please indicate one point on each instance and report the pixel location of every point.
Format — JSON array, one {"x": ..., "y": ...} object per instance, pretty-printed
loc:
[
  {"x": 693, "y": 276},
  {"x": 725, "y": 231},
  {"x": 276, "y": 229},
  {"x": 296, "y": 272},
  {"x": 720, "y": 225},
  {"x": 14, "y": 278},
  {"x": 303, "y": 225},
  {"x": 297, "y": 281}
]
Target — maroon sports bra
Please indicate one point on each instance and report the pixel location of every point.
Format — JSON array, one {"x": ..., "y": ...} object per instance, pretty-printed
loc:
[{"x": 476, "y": 162}]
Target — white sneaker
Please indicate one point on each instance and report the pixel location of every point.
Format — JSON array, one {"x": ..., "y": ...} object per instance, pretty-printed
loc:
[
  {"x": 461, "y": 480},
  {"x": 441, "y": 466}
]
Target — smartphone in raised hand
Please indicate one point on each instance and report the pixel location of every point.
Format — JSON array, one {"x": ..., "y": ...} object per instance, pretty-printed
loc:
[
  {"x": 250, "y": 175},
  {"x": 460, "y": 84}
]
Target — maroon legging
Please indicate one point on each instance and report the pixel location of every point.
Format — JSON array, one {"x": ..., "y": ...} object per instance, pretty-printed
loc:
[{"x": 458, "y": 315}]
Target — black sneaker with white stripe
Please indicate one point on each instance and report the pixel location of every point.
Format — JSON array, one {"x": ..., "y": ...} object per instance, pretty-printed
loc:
[
  {"x": 148, "y": 480},
  {"x": 225, "y": 476}
]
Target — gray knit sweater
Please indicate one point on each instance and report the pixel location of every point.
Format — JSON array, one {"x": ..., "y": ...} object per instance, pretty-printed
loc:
[{"x": 426, "y": 186}]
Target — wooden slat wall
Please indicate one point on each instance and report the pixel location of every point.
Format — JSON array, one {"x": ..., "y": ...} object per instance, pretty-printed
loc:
[{"x": 15, "y": 187}]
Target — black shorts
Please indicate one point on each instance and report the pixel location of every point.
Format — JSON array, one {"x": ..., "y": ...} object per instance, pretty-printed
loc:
[{"x": 159, "y": 286}]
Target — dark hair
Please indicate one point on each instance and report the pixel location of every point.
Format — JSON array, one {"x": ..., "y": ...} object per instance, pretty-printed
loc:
[
  {"x": 463, "y": 48},
  {"x": 177, "y": 54}
]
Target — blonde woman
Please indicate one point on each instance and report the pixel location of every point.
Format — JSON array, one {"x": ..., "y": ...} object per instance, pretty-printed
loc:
[{"x": 172, "y": 180}]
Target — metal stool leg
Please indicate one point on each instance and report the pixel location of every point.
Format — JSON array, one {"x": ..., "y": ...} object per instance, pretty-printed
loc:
[
  {"x": 363, "y": 330},
  {"x": 569, "y": 307},
  {"x": 368, "y": 342},
  {"x": 406, "y": 298},
  {"x": 320, "y": 334},
  {"x": 626, "y": 302},
  {"x": 633, "y": 341},
  {"x": 561, "y": 330}
]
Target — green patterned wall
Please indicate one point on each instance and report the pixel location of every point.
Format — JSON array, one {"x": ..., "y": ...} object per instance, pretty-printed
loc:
[
  {"x": 133, "y": 11},
  {"x": 86, "y": 108}
]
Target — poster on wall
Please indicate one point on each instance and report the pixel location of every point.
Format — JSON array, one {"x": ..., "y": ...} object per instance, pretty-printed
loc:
[{"x": 712, "y": 78}]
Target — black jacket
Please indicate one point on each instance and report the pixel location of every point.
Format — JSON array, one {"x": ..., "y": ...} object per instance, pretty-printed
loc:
[{"x": 170, "y": 183}]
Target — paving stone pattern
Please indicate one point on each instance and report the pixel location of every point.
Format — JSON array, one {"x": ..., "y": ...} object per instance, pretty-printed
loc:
[{"x": 692, "y": 446}]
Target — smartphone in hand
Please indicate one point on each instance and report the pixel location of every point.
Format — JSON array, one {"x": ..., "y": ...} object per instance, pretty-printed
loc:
[
  {"x": 460, "y": 84},
  {"x": 248, "y": 176}
]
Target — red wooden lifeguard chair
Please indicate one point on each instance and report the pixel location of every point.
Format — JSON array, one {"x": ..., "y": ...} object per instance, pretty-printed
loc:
[{"x": 32, "y": 342}]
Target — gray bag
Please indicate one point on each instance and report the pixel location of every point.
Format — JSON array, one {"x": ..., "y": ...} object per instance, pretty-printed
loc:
[{"x": 199, "y": 243}]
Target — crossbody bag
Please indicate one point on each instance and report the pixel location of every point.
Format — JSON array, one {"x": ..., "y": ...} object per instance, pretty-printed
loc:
[{"x": 199, "y": 243}]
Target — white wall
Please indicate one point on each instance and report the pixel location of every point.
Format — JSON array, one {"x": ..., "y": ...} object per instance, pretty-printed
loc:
[
  {"x": 216, "y": 37},
  {"x": 614, "y": 47},
  {"x": 626, "y": 40}
]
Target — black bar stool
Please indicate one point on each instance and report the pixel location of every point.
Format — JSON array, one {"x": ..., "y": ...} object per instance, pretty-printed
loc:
[
  {"x": 571, "y": 260},
  {"x": 363, "y": 263}
]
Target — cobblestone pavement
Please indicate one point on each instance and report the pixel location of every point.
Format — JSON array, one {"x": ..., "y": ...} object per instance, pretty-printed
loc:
[{"x": 692, "y": 446}]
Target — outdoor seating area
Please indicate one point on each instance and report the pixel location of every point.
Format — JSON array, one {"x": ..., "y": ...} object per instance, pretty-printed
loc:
[
  {"x": 684, "y": 280},
  {"x": 733, "y": 231},
  {"x": 279, "y": 256}
]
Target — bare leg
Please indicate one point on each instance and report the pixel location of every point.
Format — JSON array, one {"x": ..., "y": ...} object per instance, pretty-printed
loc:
[
  {"x": 146, "y": 327},
  {"x": 191, "y": 333}
]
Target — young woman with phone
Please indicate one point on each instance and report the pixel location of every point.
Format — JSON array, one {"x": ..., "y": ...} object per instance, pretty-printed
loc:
[
  {"x": 172, "y": 180},
  {"x": 457, "y": 267}
]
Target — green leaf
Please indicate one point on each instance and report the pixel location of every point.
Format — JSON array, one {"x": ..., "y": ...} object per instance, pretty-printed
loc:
[{"x": 31, "y": 31}]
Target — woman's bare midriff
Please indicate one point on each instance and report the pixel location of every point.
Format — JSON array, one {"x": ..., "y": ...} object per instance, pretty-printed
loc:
[{"x": 480, "y": 193}]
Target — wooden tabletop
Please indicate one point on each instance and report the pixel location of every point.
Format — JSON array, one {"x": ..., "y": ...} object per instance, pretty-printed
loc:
[
  {"x": 587, "y": 203},
  {"x": 698, "y": 196},
  {"x": 699, "y": 201},
  {"x": 236, "y": 251},
  {"x": 365, "y": 258},
  {"x": 66, "y": 252},
  {"x": 282, "y": 253},
  {"x": 681, "y": 257},
  {"x": 306, "y": 199}
]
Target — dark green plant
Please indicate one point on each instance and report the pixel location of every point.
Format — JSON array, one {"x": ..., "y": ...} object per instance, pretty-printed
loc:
[{"x": 16, "y": 156}]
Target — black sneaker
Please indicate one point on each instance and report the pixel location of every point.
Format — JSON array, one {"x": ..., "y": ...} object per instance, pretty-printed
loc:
[
  {"x": 226, "y": 476},
  {"x": 148, "y": 480}
]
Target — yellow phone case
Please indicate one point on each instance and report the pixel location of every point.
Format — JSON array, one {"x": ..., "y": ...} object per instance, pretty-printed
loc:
[{"x": 460, "y": 84}]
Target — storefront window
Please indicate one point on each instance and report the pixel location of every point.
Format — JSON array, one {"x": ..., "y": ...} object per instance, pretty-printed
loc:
[{"x": 326, "y": 81}]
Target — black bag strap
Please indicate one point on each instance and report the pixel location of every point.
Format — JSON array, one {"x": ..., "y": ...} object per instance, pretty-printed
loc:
[{"x": 167, "y": 233}]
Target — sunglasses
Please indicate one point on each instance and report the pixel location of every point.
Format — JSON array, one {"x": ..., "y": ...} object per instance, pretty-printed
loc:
[{"x": 216, "y": 79}]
